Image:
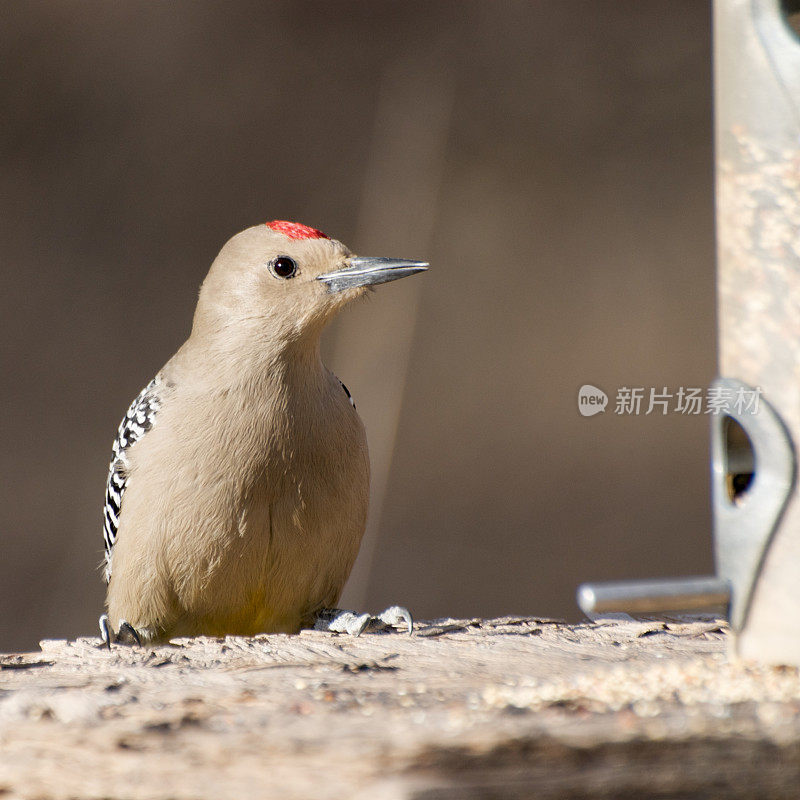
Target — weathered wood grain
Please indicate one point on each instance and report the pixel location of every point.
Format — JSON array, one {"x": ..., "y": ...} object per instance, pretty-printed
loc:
[{"x": 512, "y": 707}]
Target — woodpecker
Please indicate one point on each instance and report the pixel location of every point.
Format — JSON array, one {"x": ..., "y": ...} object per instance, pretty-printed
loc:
[{"x": 238, "y": 487}]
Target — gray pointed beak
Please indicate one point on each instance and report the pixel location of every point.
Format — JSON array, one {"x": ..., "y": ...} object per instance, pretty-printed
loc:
[{"x": 364, "y": 271}]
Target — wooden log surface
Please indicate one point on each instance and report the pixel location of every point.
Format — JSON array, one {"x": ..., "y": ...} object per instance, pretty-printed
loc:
[{"x": 504, "y": 708}]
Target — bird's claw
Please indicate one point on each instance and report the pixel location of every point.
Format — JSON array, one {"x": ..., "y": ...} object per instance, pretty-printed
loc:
[
  {"x": 349, "y": 622},
  {"x": 353, "y": 624},
  {"x": 126, "y": 634},
  {"x": 395, "y": 616}
]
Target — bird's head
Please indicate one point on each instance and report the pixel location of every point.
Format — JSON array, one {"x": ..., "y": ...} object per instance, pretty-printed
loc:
[{"x": 289, "y": 277}]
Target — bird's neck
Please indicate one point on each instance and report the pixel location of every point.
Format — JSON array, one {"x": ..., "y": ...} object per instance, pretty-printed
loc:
[{"x": 261, "y": 358}]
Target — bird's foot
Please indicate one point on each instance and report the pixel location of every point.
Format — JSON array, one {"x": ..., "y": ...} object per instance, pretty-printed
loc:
[
  {"x": 337, "y": 621},
  {"x": 126, "y": 634}
]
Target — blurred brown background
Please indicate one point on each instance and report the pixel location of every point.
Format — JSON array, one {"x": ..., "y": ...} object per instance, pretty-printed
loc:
[{"x": 553, "y": 162}]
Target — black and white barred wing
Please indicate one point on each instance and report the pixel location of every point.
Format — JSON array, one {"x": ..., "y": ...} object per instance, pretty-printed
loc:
[
  {"x": 139, "y": 418},
  {"x": 347, "y": 392}
]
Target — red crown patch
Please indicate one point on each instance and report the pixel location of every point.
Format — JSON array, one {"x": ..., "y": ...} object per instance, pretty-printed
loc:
[{"x": 294, "y": 230}]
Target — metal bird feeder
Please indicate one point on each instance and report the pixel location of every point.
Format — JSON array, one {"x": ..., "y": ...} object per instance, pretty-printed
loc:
[{"x": 756, "y": 508}]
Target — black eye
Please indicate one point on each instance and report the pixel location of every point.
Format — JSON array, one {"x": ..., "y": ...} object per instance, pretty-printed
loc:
[{"x": 284, "y": 267}]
